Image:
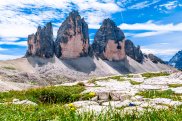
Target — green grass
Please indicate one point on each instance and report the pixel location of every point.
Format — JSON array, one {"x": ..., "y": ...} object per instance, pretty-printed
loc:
[
  {"x": 9, "y": 67},
  {"x": 134, "y": 82},
  {"x": 59, "y": 94},
  {"x": 129, "y": 75},
  {"x": 118, "y": 78},
  {"x": 160, "y": 94},
  {"x": 51, "y": 102},
  {"x": 175, "y": 85},
  {"x": 60, "y": 113},
  {"x": 151, "y": 75}
]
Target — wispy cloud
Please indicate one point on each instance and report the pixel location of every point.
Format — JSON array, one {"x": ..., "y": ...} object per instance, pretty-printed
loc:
[
  {"x": 9, "y": 57},
  {"x": 143, "y": 4},
  {"x": 147, "y": 34},
  {"x": 152, "y": 26},
  {"x": 22, "y": 43},
  {"x": 3, "y": 49},
  {"x": 170, "y": 5},
  {"x": 159, "y": 51},
  {"x": 154, "y": 29}
]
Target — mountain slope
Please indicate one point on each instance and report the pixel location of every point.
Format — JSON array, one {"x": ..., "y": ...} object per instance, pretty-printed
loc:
[{"x": 176, "y": 60}]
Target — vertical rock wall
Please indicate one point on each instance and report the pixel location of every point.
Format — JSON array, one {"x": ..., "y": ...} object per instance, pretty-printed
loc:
[
  {"x": 109, "y": 42},
  {"x": 41, "y": 43},
  {"x": 72, "y": 37}
]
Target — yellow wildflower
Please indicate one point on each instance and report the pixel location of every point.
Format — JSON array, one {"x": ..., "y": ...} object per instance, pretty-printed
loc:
[{"x": 92, "y": 94}]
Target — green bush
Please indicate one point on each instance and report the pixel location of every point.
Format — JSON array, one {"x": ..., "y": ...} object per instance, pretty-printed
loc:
[
  {"x": 59, "y": 94},
  {"x": 80, "y": 84}
]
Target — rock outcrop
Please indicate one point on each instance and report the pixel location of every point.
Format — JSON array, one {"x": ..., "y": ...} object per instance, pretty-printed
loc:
[
  {"x": 154, "y": 58},
  {"x": 41, "y": 43},
  {"x": 176, "y": 60},
  {"x": 109, "y": 42},
  {"x": 72, "y": 37},
  {"x": 134, "y": 52}
]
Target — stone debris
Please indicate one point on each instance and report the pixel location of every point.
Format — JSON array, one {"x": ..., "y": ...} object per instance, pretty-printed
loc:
[
  {"x": 177, "y": 90},
  {"x": 121, "y": 95},
  {"x": 103, "y": 95},
  {"x": 84, "y": 103},
  {"x": 117, "y": 104},
  {"x": 22, "y": 102},
  {"x": 97, "y": 109}
]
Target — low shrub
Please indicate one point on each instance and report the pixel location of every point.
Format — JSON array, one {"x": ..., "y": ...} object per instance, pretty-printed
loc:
[
  {"x": 9, "y": 68},
  {"x": 175, "y": 85},
  {"x": 59, "y": 94},
  {"x": 134, "y": 82},
  {"x": 80, "y": 84},
  {"x": 151, "y": 75},
  {"x": 160, "y": 94}
]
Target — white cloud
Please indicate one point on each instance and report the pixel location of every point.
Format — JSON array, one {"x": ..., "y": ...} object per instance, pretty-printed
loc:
[
  {"x": 159, "y": 51},
  {"x": 154, "y": 29},
  {"x": 152, "y": 26},
  {"x": 8, "y": 57},
  {"x": 15, "y": 24},
  {"x": 22, "y": 43},
  {"x": 147, "y": 34},
  {"x": 3, "y": 49}
]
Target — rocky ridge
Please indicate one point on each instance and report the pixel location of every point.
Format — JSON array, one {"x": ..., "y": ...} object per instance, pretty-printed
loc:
[
  {"x": 154, "y": 58},
  {"x": 73, "y": 42}
]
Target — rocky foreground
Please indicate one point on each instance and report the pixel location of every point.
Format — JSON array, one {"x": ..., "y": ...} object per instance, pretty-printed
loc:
[{"x": 125, "y": 92}]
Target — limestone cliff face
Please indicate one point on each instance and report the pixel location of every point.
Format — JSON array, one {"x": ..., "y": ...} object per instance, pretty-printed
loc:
[
  {"x": 109, "y": 42},
  {"x": 72, "y": 38},
  {"x": 41, "y": 43},
  {"x": 134, "y": 52}
]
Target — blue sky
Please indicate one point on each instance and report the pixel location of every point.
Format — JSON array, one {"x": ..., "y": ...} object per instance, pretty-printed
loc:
[{"x": 155, "y": 25}]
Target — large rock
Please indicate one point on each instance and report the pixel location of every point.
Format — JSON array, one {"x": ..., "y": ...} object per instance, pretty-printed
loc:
[
  {"x": 72, "y": 37},
  {"x": 109, "y": 42},
  {"x": 176, "y": 60},
  {"x": 41, "y": 43},
  {"x": 133, "y": 52}
]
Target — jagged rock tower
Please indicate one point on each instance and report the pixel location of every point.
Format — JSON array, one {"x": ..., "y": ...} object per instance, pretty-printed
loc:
[
  {"x": 72, "y": 38},
  {"x": 109, "y": 42},
  {"x": 41, "y": 43},
  {"x": 133, "y": 52}
]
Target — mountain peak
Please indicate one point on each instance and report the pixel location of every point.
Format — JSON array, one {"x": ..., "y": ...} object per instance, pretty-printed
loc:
[{"x": 176, "y": 60}]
